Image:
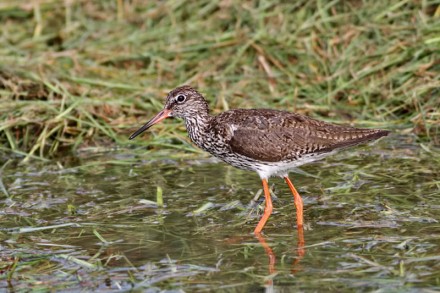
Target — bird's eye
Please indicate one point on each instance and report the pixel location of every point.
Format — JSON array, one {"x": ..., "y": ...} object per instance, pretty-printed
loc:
[{"x": 180, "y": 98}]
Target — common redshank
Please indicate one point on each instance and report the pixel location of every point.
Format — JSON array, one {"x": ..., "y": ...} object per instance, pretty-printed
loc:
[{"x": 269, "y": 142}]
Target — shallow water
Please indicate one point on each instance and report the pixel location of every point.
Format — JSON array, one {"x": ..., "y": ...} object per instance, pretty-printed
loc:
[{"x": 93, "y": 222}]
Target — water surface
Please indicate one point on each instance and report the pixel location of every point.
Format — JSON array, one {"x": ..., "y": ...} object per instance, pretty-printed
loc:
[{"x": 94, "y": 221}]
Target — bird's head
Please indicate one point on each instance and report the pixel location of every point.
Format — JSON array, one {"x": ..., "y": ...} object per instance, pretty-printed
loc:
[{"x": 182, "y": 102}]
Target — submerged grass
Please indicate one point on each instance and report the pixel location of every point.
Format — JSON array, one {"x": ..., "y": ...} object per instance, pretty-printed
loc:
[
  {"x": 78, "y": 74},
  {"x": 365, "y": 228}
]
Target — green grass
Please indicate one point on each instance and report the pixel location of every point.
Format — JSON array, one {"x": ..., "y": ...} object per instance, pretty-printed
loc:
[{"x": 86, "y": 74}]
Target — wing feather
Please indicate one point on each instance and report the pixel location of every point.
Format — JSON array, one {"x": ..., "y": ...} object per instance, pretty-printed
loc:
[{"x": 272, "y": 136}]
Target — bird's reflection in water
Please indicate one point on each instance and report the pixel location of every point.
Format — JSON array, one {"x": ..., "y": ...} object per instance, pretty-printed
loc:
[{"x": 300, "y": 252}]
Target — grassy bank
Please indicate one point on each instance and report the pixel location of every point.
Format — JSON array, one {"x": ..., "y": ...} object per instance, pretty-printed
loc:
[{"x": 76, "y": 74}]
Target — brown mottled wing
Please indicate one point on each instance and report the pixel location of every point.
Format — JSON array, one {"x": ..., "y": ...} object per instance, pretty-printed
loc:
[{"x": 271, "y": 136}]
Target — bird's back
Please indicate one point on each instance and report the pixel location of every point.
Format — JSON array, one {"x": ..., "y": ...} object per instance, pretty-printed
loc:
[{"x": 273, "y": 136}]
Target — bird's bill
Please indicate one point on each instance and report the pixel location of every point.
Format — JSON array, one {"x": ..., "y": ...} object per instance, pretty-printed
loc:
[{"x": 165, "y": 113}]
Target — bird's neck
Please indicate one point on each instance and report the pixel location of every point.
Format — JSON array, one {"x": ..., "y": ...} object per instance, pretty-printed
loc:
[{"x": 197, "y": 127}]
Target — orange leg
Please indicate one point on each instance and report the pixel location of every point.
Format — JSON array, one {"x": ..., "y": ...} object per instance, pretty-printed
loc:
[
  {"x": 267, "y": 210},
  {"x": 298, "y": 203}
]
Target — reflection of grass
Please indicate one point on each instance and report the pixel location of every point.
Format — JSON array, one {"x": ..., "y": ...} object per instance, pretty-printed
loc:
[
  {"x": 84, "y": 73},
  {"x": 371, "y": 217}
]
